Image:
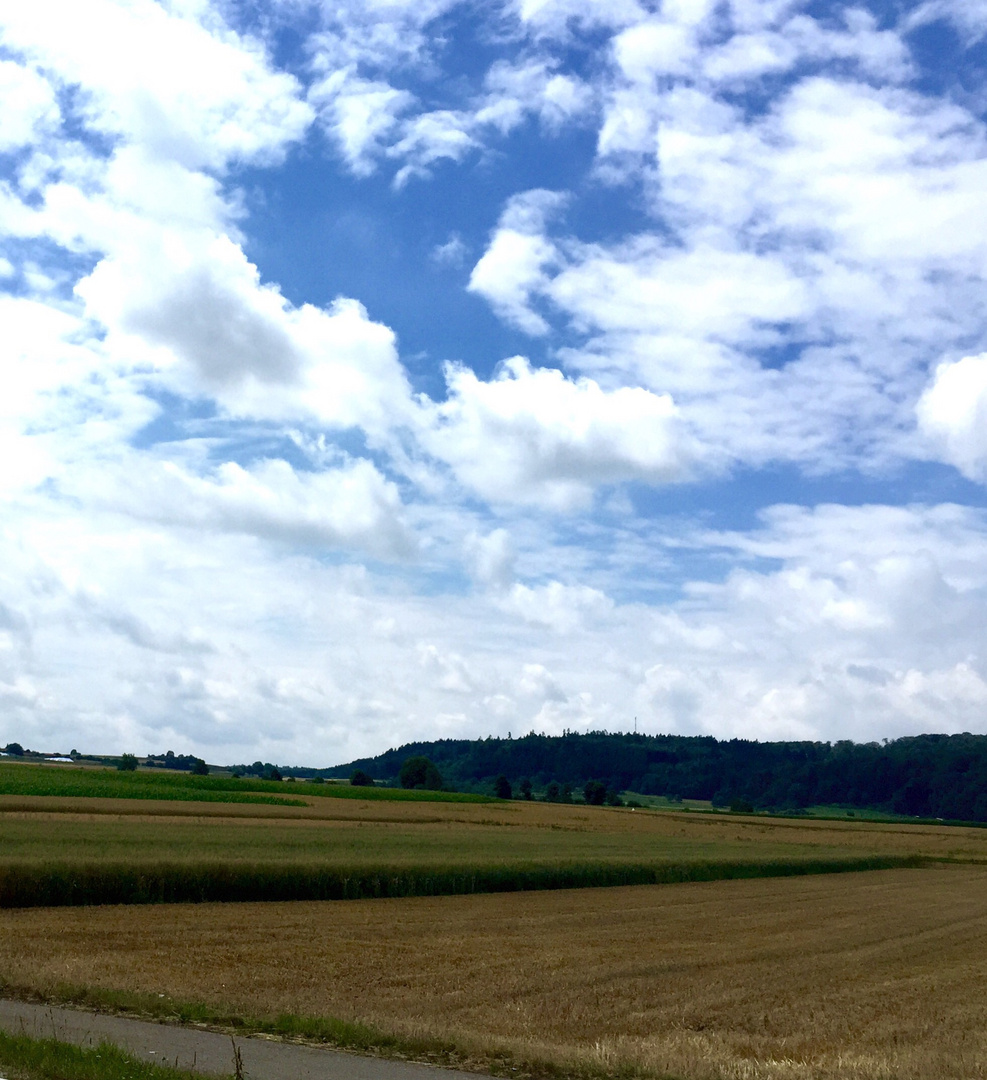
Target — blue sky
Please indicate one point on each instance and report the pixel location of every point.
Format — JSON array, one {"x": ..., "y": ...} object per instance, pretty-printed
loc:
[{"x": 383, "y": 370}]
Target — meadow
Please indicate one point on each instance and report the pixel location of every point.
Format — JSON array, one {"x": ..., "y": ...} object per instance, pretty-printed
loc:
[{"x": 840, "y": 977}]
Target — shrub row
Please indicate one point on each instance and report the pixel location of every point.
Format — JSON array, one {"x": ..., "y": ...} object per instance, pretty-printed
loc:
[{"x": 74, "y": 884}]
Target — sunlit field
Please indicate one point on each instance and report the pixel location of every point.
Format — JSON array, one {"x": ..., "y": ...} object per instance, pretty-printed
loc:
[{"x": 869, "y": 975}]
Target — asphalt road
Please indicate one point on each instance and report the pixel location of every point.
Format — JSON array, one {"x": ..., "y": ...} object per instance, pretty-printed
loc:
[{"x": 207, "y": 1051}]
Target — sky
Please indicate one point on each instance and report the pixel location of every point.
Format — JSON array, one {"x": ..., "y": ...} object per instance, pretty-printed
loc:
[{"x": 383, "y": 370}]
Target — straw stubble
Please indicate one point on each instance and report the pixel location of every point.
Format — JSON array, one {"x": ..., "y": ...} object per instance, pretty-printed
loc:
[{"x": 852, "y": 976}]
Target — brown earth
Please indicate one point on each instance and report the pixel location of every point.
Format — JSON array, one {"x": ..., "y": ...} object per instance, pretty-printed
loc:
[{"x": 867, "y": 975}]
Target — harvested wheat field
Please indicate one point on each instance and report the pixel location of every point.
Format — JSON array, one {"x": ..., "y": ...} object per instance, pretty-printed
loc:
[{"x": 867, "y": 975}]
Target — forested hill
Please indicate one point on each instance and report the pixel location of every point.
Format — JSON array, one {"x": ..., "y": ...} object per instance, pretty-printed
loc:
[{"x": 925, "y": 775}]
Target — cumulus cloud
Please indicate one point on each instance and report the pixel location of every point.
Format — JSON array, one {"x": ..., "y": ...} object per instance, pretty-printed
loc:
[
  {"x": 29, "y": 105},
  {"x": 199, "y": 312},
  {"x": 352, "y": 507},
  {"x": 952, "y": 414},
  {"x": 517, "y": 259},
  {"x": 562, "y": 608},
  {"x": 189, "y": 92},
  {"x": 533, "y": 436}
]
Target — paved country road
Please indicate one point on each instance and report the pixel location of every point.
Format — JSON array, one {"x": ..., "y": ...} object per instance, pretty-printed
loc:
[{"x": 207, "y": 1051}]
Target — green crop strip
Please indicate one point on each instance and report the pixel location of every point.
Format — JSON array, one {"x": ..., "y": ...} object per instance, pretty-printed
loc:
[{"x": 68, "y": 884}]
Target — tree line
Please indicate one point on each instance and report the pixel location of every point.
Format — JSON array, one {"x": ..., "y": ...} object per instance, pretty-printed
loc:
[{"x": 942, "y": 776}]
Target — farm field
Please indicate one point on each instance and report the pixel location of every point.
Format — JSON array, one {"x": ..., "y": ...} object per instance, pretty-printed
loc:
[
  {"x": 86, "y": 781},
  {"x": 72, "y": 850},
  {"x": 864, "y": 976}
]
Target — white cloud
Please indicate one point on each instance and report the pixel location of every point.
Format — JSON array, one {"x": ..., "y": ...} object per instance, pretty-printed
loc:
[
  {"x": 561, "y": 608},
  {"x": 452, "y": 253},
  {"x": 29, "y": 106},
  {"x": 201, "y": 305},
  {"x": 491, "y": 558},
  {"x": 190, "y": 93},
  {"x": 352, "y": 507},
  {"x": 516, "y": 262},
  {"x": 537, "y": 681},
  {"x": 533, "y": 86},
  {"x": 439, "y": 135},
  {"x": 532, "y": 436},
  {"x": 952, "y": 413},
  {"x": 361, "y": 115}
]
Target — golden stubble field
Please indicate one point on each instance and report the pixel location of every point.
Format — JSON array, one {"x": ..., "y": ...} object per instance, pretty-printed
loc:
[{"x": 879, "y": 974}]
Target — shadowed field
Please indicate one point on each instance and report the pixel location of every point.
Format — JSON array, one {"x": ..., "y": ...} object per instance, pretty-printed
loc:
[{"x": 845, "y": 976}]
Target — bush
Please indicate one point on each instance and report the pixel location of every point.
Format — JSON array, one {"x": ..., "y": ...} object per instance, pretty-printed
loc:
[
  {"x": 14, "y": 749},
  {"x": 502, "y": 787},
  {"x": 317, "y": 780},
  {"x": 552, "y": 792},
  {"x": 273, "y": 773},
  {"x": 525, "y": 787},
  {"x": 419, "y": 772},
  {"x": 127, "y": 763},
  {"x": 741, "y": 806},
  {"x": 360, "y": 779},
  {"x": 200, "y": 768},
  {"x": 613, "y": 798}
]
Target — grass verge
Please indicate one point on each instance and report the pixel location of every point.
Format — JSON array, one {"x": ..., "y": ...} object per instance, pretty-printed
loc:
[
  {"x": 49, "y": 1059},
  {"x": 28, "y": 884}
]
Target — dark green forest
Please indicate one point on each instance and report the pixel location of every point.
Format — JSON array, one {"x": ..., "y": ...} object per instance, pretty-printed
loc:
[{"x": 934, "y": 776}]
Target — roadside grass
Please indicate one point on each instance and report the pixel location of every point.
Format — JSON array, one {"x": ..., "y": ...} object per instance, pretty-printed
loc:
[
  {"x": 354, "y": 1037},
  {"x": 26, "y": 1058},
  {"x": 22, "y": 779}
]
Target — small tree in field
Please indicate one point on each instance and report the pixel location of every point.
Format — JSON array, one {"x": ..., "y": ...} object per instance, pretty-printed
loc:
[
  {"x": 419, "y": 772},
  {"x": 595, "y": 793},
  {"x": 525, "y": 786},
  {"x": 361, "y": 779},
  {"x": 127, "y": 763},
  {"x": 502, "y": 787}
]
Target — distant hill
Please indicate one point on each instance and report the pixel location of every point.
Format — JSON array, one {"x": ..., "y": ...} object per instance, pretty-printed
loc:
[{"x": 924, "y": 775}]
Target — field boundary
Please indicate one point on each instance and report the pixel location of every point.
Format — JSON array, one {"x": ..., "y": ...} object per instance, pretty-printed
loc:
[{"x": 80, "y": 884}]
